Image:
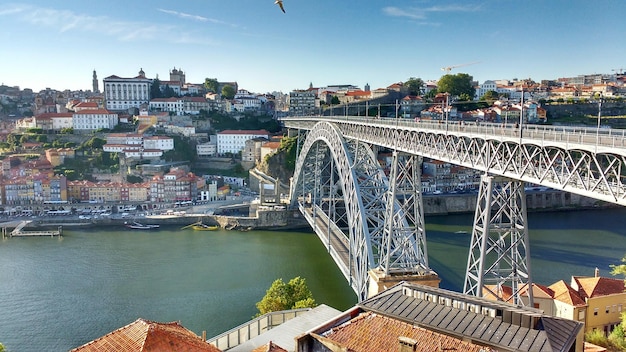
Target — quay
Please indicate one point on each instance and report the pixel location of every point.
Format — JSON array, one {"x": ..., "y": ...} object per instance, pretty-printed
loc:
[{"x": 19, "y": 232}]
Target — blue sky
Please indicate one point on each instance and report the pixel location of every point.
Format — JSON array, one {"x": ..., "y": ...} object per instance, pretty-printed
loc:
[{"x": 58, "y": 44}]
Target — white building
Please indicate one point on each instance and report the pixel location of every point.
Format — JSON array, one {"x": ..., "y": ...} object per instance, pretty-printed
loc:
[
  {"x": 94, "y": 119},
  {"x": 124, "y": 93},
  {"x": 158, "y": 142},
  {"x": 234, "y": 141},
  {"x": 180, "y": 106},
  {"x": 205, "y": 150},
  {"x": 125, "y": 138},
  {"x": 61, "y": 121}
]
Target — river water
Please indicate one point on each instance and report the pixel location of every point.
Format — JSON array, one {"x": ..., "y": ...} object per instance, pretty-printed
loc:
[{"x": 59, "y": 293}]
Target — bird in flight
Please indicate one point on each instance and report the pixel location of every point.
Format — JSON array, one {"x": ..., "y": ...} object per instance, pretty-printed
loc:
[{"x": 280, "y": 4}]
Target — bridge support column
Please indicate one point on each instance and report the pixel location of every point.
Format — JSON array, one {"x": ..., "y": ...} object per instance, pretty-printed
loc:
[
  {"x": 403, "y": 253},
  {"x": 379, "y": 281},
  {"x": 498, "y": 264}
]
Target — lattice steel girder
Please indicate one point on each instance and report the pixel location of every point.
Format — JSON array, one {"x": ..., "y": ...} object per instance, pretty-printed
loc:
[
  {"x": 499, "y": 254},
  {"x": 403, "y": 248},
  {"x": 587, "y": 170}
]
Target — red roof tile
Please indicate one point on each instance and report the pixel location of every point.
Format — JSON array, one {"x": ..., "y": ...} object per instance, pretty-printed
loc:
[
  {"x": 371, "y": 332},
  {"x": 145, "y": 335}
]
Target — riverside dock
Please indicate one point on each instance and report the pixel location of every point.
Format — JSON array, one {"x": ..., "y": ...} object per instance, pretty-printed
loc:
[{"x": 19, "y": 231}]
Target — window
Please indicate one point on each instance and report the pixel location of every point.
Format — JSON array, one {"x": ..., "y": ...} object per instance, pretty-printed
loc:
[
  {"x": 595, "y": 311},
  {"x": 581, "y": 314},
  {"x": 607, "y": 309}
]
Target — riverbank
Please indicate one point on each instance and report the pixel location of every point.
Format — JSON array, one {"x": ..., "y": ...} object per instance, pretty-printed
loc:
[{"x": 254, "y": 217}]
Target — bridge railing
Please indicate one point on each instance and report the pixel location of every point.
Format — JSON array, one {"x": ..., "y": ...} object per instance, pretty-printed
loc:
[{"x": 586, "y": 136}]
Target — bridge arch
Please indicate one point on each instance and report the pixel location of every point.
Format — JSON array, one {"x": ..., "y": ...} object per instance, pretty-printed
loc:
[{"x": 330, "y": 167}]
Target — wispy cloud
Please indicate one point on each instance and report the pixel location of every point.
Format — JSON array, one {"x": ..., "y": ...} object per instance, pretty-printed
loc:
[
  {"x": 67, "y": 21},
  {"x": 421, "y": 13},
  {"x": 188, "y": 16}
]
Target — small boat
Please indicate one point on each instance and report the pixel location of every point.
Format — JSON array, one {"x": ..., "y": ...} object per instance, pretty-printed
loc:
[
  {"x": 204, "y": 227},
  {"x": 139, "y": 226}
]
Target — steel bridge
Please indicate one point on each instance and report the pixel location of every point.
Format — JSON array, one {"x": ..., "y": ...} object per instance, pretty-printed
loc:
[{"x": 369, "y": 220}]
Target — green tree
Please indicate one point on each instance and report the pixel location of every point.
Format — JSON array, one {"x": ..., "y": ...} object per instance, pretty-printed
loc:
[
  {"x": 282, "y": 296},
  {"x": 619, "y": 269},
  {"x": 2, "y": 347},
  {"x": 490, "y": 96},
  {"x": 456, "y": 85},
  {"x": 155, "y": 89},
  {"x": 334, "y": 100},
  {"x": 211, "y": 85},
  {"x": 414, "y": 86},
  {"x": 228, "y": 92}
]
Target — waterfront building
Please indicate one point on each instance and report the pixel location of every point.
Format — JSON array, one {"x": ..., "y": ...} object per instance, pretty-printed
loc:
[
  {"x": 234, "y": 141},
  {"x": 126, "y": 93}
]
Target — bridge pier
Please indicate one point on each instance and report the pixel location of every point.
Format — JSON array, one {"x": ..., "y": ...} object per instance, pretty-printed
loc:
[
  {"x": 380, "y": 281},
  {"x": 498, "y": 264}
]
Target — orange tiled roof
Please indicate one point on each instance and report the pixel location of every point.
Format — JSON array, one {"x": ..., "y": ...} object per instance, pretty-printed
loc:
[
  {"x": 269, "y": 347},
  {"x": 590, "y": 287},
  {"x": 565, "y": 293},
  {"x": 376, "y": 333},
  {"x": 145, "y": 335}
]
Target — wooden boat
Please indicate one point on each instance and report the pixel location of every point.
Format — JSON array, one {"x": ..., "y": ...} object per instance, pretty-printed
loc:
[
  {"x": 139, "y": 226},
  {"x": 204, "y": 227}
]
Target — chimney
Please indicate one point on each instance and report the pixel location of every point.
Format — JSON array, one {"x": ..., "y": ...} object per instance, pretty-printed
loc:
[
  {"x": 596, "y": 272},
  {"x": 406, "y": 344}
]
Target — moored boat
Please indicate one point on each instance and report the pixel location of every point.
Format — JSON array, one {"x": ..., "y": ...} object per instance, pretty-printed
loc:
[
  {"x": 139, "y": 226},
  {"x": 204, "y": 227}
]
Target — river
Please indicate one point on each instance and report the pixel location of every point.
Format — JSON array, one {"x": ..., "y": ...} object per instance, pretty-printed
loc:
[{"x": 59, "y": 293}]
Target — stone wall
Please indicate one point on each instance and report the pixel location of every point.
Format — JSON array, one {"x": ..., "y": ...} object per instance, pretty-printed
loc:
[{"x": 535, "y": 201}]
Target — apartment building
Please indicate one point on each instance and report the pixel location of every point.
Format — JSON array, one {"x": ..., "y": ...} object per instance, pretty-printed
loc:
[{"x": 234, "y": 141}]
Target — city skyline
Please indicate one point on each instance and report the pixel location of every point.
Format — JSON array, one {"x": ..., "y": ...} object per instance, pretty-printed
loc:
[{"x": 58, "y": 45}]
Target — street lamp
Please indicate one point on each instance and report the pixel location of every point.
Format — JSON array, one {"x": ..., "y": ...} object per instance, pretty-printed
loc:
[{"x": 599, "y": 117}]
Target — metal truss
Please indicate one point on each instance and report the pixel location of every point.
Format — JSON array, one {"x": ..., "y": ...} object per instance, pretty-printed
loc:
[
  {"x": 567, "y": 160},
  {"x": 403, "y": 248},
  {"x": 499, "y": 255},
  {"x": 343, "y": 192}
]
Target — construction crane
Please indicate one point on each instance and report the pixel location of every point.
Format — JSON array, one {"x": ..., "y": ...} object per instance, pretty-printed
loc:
[
  {"x": 618, "y": 70},
  {"x": 447, "y": 69}
]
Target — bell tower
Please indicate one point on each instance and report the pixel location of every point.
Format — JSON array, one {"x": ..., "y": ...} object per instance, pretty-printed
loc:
[{"x": 94, "y": 83}]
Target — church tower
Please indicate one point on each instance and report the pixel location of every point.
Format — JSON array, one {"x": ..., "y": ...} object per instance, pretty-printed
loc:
[{"x": 94, "y": 83}]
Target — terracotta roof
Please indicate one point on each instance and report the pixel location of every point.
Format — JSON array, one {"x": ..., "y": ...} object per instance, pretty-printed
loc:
[
  {"x": 590, "y": 287},
  {"x": 373, "y": 332},
  {"x": 145, "y": 335},
  {"x": 565, "y": 293},
  {"x": 269, "y": 347}
]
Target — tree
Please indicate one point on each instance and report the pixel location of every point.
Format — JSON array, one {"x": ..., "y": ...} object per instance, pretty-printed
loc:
[
  {"x": 211, "y": 85},
  {"x": 282, "y": 296},
  {"x": 619, "y": 269},
  {"x": 2, "y": 348},
  {"x": 490, "y": 96},
  {"x": 414, "y": 86},
  {"x": 456, "y": 85},
  {"x": 155, "y": 89},
  {"x": 228, "y": 92}
]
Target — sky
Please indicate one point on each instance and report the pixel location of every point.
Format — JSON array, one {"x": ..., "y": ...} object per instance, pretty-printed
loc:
[{"x": 58, "y": 44}]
